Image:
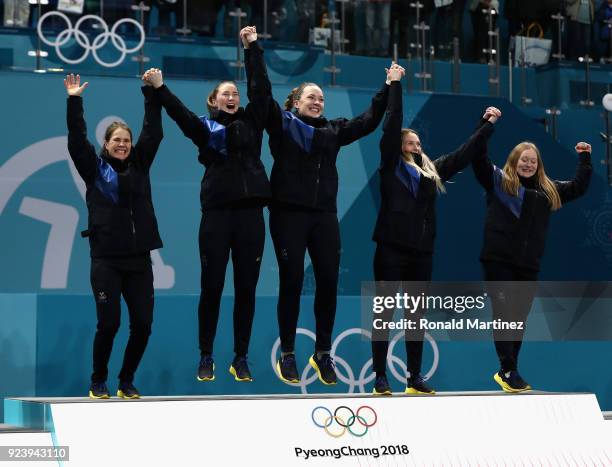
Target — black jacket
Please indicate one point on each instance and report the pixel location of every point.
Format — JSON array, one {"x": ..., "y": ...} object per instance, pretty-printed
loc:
[
  {"x": 515, "y": 227},
  {"x": 305, "y": 149},
  {"x": 230, "y": 144},
  {"x": 121, "y": 217},
  {"x": 407, "y": 215}
]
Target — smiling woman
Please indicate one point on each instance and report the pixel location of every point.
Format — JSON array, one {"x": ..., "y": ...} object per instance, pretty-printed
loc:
[{"x": 122, "y": 230}]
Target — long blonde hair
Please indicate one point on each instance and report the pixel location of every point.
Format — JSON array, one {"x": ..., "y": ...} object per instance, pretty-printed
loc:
[
  {"x": 510, "y": 182},
  {"x": 429, "y": 169}
]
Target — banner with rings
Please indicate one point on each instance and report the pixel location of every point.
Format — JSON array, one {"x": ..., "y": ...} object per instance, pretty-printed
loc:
[{"x": 84, "y": 41}]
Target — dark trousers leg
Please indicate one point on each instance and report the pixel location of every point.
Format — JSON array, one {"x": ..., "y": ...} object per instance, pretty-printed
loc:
[
  {"x": 391, "y": 264},
  {"x": 138, "y": 294},
  {"x": 289, "y": 231},
  {"x": 386, "y": 270},
  {"x": 324, "y": 251},
  {"x": 511, "y": 302},
  {"x": 214, "y": 255},
  {"x": 106, "y": 287},
  {"x": 248, "y": 238}
]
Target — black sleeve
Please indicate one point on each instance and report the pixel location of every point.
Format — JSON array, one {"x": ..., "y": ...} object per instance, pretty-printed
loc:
[
  {"x": 448, "y": 165},
  {"x": 572, "y": 189},
  {"x": 189, "y": 123},
  {"x": 391, "y": 141},
  {"x": 259, "y": 89},
  {"x": 80, "y": 149},
  {"x": 483, "y": 169},
  {"x": 365, "y": 123},
  {"x": 151, "y": 134}
]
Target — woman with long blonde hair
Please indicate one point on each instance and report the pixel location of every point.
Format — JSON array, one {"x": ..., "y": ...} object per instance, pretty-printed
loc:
[
  {"x": 406, "y": 225},
  {"x": 520, "y": 198}
]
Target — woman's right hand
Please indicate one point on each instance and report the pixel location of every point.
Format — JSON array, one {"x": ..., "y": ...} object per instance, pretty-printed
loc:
[
  {"x": 73, "y": 85},
  {"x": 153, "y": 77},
  {"x": 395, "y": 72},
  {"x": 248, "y": 34},
  {"x": 492, "y": 114}
]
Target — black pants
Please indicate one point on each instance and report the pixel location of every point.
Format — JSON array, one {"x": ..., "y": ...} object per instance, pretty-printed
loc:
[
  {"x": 241, "y": 231},
  {"x": 110, "y": 278},
  {"x": 395, "y": 265},
  {"x": 294, "y": 231},
  {"x": 511, "y": 302}
]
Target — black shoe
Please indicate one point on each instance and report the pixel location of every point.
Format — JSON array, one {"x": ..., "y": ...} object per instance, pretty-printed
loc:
[
  {"x": 99, "y": 391},
  {"x": 381, "y": 386},
  {"x": 127, "y": 391},
  {"x": 416, "y": 385},
  {"x": 325, "y": 368},
  {"x": 206, "y": 370},
  {"x": 286, "y": 369},
  {"x": 511, "y": 381},
  {"x": 240, "y": 369}
]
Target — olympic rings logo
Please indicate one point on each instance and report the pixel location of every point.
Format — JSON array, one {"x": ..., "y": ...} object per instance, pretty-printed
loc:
[
  {"x": 83, "y": 40},
  {"x": 338, "y": 423},
  {"x": 357, "y": 381}
]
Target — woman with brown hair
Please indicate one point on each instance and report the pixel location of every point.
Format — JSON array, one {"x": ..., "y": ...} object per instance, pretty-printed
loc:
[
  {"x": 234, "y": 190},
  {"x": 122, "y": 231},
  {"x": 304, "y": 180},
  {"x": 520, "y": 199}
]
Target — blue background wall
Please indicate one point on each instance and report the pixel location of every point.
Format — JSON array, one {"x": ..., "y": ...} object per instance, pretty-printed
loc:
[{"x": 55, "y": 358}]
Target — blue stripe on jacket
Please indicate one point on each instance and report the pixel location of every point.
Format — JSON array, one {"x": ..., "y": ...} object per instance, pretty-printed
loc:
[
  {"x": 409, "y": 176},
  {"x": 107, "y": 180},
  {"x": 216, "y": 137},
  {"x": 300, "y": 132},
  {"x": 514, "y": 203}
]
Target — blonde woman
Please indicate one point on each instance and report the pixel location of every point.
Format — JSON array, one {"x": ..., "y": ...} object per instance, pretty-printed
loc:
[
  {"x": 520, "y": 198},
  {"x": 406, "y": 226}
]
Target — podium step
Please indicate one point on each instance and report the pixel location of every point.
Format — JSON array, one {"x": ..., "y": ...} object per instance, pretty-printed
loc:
[{"x": 484, "y": 428}]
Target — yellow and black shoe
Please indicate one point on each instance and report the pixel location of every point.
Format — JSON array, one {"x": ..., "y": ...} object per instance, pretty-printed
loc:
[
  {"x": 511, "y": 381},
  {"x": 240, "y": 369},
  {"x": 286, "y": 368},
  {"x": 325, "y": 367},
  {"x": 98, "y": 391},
  {"x": 381, "y": 386},
  {"x": 416, "y": 385},
  {"x": 127, "y": 391},
  {"x": 206, "y": 369}
]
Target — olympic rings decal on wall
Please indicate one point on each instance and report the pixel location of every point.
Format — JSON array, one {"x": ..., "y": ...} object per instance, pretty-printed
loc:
[
  {"x": 357, "y": 381},
  {"x": 336, "y": 424},
  {"x": 83, "y": 40}
]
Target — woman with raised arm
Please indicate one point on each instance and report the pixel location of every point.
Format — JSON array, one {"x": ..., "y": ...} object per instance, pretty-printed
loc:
[
  {"x": 234, "y": 190},
  {"x": 122, "y": 231},
  {"x": 406, "y": 224},
  {"x": 520, "y": 198},
  {"x": 304, "y": 180}
]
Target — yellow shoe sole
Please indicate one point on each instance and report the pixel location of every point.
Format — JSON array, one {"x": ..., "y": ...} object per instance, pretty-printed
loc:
[
  {"x": 316, "y": 367},
  {"x": 93, "y": 396},
  {"x": 415, "y": 391},
  {"x": 232, "y": 370},
  {"x": 207, "y": 379},
  {"x": 506, "y": 387},
  {"x": 122, "y": 395},
  {"x": 282, "y": 378},
  {"x": 384, "y": 393}
]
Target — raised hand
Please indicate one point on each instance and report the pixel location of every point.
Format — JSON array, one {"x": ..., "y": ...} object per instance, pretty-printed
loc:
[
  {"x": 73, "y": 85},
  {"x": 492, "y": 114},
  {"x": 153, "y": 77},
  {"x": 395, "y": 72},
  {"x": 583, "y": 147},
  {"x": 248, "y": 34}
]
